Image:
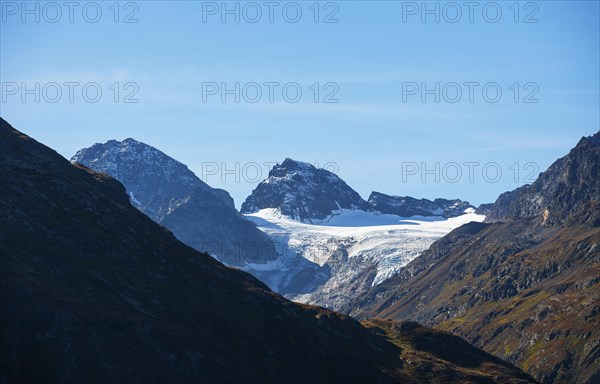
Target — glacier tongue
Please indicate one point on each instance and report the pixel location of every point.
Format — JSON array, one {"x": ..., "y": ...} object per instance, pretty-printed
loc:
[{"x": 355, "y": 249}]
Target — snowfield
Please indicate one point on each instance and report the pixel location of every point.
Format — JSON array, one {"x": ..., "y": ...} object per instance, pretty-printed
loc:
[{"x": 357, "y": 249}]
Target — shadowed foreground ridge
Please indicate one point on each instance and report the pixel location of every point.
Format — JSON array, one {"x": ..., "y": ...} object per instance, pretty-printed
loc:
[
  {"x": 524, "y": 287},
  {"x": 92, "y": 290}
]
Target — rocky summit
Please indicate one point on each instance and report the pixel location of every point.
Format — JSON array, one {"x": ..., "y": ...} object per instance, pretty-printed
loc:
[
  {"x": 561, "y": 194},
  {"x": 169, "y": 193},
  {"x": 303, "y": 192}
]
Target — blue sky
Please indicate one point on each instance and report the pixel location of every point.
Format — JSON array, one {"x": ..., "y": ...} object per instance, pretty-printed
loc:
[{"x": 379, "y": 135}]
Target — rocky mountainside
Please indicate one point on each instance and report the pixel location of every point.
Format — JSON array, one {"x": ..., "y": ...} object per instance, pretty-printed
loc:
[
  {"x": 167, "y": 191},
  {"x": 155, "y": 182},
  {"x": 303, "y": 192},
  {"x": 406, "y": 206},
  {"x": 525, "y": 287},
  {"x": 92, "y": 290},
  {"x": 559, "y": 193}
]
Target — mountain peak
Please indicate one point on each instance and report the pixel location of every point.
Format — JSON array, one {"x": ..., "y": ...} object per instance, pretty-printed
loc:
[
  {"x": 564, "y": 192},
  {"x": 168, "y": 192},
  {"x": 290, "y": 168},
  {"x": 288, "y": 162},
  {"x": 127, "y": 141},
  {"x": 155, "y": 182},
  {"x": 594, "y": 139},
  {"x": 303, "y": 192}
]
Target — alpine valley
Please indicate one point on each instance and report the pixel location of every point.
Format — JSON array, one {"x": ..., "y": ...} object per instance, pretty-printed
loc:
[
  {"x": 124, "y": 251},
  {"x": 305, "y": 233},
  {"x": 93, "y": 290},
  {"x": 518, "y": 278}
]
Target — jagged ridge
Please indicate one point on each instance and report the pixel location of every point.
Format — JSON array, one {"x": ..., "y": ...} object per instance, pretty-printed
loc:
[
  {"x": 406, "y": 206},
  {"x": 304, "y": 193}
]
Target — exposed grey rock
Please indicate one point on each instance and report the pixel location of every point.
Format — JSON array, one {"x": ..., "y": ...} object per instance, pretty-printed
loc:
[
  {"x": 303, "y": 192},
  {"x": 409, "y": 206},
  {"x": 556, "y": 193}
]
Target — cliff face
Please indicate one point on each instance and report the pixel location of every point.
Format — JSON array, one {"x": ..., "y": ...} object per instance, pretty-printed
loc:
[{"x": 561, "y": 193}]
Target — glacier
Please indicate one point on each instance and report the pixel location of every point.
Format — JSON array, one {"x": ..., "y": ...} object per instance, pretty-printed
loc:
[{"x": 353, "y": 249}]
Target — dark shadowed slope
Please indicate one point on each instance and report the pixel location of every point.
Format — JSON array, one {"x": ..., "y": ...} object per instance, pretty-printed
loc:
[
  {"x": 92, "y": 290},
  {"x": 525, "y": 288}
]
